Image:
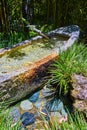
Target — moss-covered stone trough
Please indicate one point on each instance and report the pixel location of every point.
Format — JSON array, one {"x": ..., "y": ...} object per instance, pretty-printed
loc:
[{"x": 24, "y": 66}]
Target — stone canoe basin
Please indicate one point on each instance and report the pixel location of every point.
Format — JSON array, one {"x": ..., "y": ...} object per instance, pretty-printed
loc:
[{"x": 24, "y": 66}]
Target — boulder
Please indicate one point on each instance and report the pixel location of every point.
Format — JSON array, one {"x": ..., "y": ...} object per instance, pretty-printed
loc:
[
  {"x": 79, "y": 92},
  {"x": 24, "y": 66},
  {"x": 24, "y": 81}
]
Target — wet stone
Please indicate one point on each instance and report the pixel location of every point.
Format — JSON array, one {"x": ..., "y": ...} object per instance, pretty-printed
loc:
[
  {"x": 40, "y": 103},
  {"x": 54, "y": 105},
  {"x": 63, "y": 112},
  {"x": 14, "y": 115},
  {"x": 34, "y": 97},
  {"x": 27, "y": 118},
  {"x": 26, "y": 105}
]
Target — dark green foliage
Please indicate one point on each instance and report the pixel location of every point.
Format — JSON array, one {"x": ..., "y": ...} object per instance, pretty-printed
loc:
[
  {"x": 45, "y": 12},
  {"x": 12, "y": 38},
  {"x": 76, "y": 121},
  {"x": 74, "y": 60},
  {"x": 6, "y": 124}
]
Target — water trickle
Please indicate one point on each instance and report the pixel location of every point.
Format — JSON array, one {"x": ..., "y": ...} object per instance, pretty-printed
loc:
[{"x": 25, "y": 56}]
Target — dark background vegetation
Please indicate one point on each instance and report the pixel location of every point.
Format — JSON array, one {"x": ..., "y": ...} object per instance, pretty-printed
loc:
[{"x": 16, "y": 15}]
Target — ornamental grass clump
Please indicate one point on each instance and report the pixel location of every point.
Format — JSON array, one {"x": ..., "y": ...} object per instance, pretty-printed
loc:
[
  {"x": 73, "y": 60},
  {"x": 75, "y": 121},
  {"x": 6, "y": 124}
]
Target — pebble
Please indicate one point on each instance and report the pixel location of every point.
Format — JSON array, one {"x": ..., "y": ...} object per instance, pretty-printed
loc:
[
  {"x": 40, "y": 103},
  {"x": 27, "y": 118},
  {"x": 14, "y": 115},
  {"x": 34, "y": 97},
  {"x": 54, "y": 106},
  {"x": 26, "y": 105}
]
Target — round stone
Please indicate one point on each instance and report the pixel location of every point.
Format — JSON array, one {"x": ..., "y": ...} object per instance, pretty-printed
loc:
[
  {"x": 34, "y": 97},
  {"x": 14, "y": 115},
  {"x": 40, "y": 102},
  {"x": 26, "y": 105},
  {"x": 27, "y": 118}
]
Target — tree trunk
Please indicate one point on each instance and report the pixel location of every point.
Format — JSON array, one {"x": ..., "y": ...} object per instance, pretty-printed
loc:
[
  {"x": 27, "y": 13},
  {"x": 54, "y": 12},
  {"x": 4, "y": 17},
  {"x": 48, "y": 10}
]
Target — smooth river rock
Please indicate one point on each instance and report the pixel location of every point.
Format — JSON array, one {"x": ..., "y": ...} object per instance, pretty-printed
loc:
[
  {"x": 26, "y": 105},
  {"x": 34, "y": 97},
  {"x": 40, "y": 103},
  {"x": 54, "y": 105},
  {"x": 27, "y": 118},
  {"x": 14, "y": 115}
]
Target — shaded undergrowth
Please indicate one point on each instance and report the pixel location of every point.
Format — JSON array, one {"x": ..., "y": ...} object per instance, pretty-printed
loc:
[
  {"x": 73, "y": 60},
  {"x": 75, "y": 121}
]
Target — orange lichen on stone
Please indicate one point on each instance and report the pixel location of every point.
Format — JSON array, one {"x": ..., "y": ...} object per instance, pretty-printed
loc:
[
  {"x": 24, "y": 81},
  {"x": 34, "y": 68}
]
